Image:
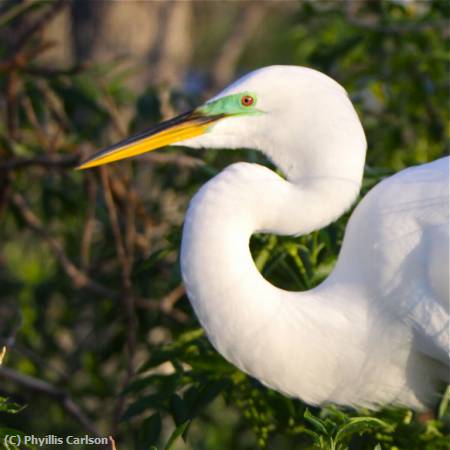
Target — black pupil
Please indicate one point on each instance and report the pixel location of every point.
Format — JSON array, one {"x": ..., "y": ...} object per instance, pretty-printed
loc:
[{"x": 247, "y": 100}]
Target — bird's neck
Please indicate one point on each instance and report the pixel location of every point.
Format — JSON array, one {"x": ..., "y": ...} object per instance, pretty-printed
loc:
[{"x": 244, "y": 315}]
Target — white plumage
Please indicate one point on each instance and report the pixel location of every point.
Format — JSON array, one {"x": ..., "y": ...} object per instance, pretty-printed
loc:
[{"x": 376, "y": 331}]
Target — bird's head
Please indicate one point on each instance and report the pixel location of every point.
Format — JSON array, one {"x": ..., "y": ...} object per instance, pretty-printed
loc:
[{"x": 290, "y": 113}]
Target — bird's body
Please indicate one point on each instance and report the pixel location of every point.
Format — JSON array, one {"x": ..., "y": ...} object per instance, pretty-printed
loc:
[
  {"x": 376, "y": 331},
  {"x": 363, "y": 337}
]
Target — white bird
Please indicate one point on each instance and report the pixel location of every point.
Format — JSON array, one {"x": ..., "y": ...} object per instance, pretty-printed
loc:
[{"x": 376, "y": 331}]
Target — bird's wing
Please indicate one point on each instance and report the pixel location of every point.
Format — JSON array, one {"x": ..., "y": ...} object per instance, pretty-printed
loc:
[
  {"x": 430, "y": 313},
  {"x": 431, "y": 325},
  {"x": 405, "y": 221}
]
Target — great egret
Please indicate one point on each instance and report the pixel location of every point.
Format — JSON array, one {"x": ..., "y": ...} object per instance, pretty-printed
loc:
[{"x": 376, "y": 331}]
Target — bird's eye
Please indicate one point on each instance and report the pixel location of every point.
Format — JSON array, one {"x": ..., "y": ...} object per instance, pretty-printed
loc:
[{"x": 247, "y": 100}]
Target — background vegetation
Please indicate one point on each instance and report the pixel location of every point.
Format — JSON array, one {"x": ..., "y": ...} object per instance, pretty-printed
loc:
[{"x": 100, "y": 337}]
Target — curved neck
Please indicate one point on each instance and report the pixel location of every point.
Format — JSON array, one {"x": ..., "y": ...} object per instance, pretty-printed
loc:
[{"x": 240, "y": 310}]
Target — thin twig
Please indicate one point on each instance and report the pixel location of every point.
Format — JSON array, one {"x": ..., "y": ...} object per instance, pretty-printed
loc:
[
  {"x": 79, "y": 278},
  {"x": 152, "y": 305},
  {"x": 43, "y": 387},
  {"x": 5, "y": 190},
  {"x": 247, "y": 21},
  {"x": 113, "y": 443},
  {"x": 171, "y": 50},
  {"x": 42, "y": 137},
  {"x": 45, "y": 161},
  {"x": 55, "y": 105},
  {"x": 168, "y": 302},
  {"x": 171, "y": 158},
  {"x": 52, "y": 72},
  {"x": 38, "y": 24},
  {"x": 127, "y": 297},
  {"x": 128, "y": 193},
  {"x": 15, "y": 10},
  {"x": 2, "y": 355},
  {"x": 88, "y": 228},
  {"x": 11, "y": 92},
  {"x": 130, "y": 229},
  {"x": 120, "y": 247},
  {"x": 11, "y": 343},
  {"x": 117, "y": 118}
]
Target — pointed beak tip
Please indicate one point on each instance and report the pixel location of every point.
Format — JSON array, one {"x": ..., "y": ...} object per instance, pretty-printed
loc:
[
  {"x": 180, "y": 128},
  {"x": 83, "y": 166}
]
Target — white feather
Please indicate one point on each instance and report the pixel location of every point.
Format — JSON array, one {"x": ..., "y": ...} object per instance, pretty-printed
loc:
[{"x": 377, "y": 330}]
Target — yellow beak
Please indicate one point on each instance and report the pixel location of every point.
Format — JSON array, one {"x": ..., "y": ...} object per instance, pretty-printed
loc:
[{"x": 185, "y": 126}]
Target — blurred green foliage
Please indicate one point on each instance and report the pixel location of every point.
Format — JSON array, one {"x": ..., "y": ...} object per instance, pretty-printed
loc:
[{"x": 67, "y": 276}]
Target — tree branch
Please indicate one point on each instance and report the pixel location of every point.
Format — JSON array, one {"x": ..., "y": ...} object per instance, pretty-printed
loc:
[
  {"x": 38, "y": 24},
  {"x": 127, "y": 295},
  {"x": 168, "y": 302},
  {"x": 79, "y": 278},
  {"x": 249, "y": 18},
  {"x": 45, "y": 161},
  {"x": 45, "y": 388},
  {"x": 88, "y": 228}
]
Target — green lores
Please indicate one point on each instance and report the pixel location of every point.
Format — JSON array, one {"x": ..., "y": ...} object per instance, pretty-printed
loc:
[{"x": 232, "y": 105}]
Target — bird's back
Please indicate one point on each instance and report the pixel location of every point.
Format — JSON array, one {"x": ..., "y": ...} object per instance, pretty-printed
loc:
[{"x": 397, "y": 244}]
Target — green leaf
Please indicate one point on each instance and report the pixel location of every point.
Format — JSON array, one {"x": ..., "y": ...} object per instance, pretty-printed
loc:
[
  {"x": 176, "y": 434},
  {"x": 318, "y": 424},
  {"x": 210, "y": 391},
  {"x": 9, "y": 407},
  {"x": 444, "y": 405},
  {"x": 359, "y": 425},
  {"x": 150, "y": 429},
  {"x": 178, "y": 408},
  {"x": 152, "y": 401}
]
